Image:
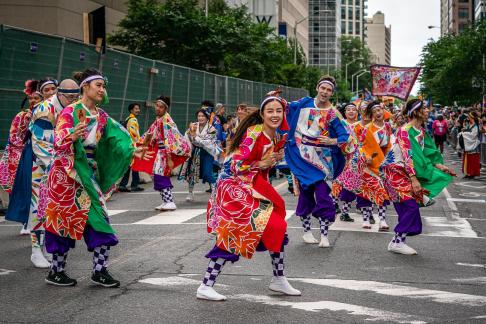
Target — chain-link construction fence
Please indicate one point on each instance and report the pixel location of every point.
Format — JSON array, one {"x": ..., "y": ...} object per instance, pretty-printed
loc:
[{"x": 30, "y": 55}]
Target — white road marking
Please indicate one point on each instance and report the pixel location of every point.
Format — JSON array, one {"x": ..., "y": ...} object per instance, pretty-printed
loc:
[
  {"x": 478, "y": 280},
  {"x": 479, "y": 317},
  {"x": 472, "y": 184},
  {"x": 459, "y": 227},
  {"x": 172, "y": 217},
  {"x": 472, "y": 265},
  {"x": 112, "y": 212},
  {"x": 381, "y": 288},
  {"x": 371, "y": 314},
  {"x": 4, "y": 272},
  {"x": 451, "y": 204},
  {"x": 174, "y": 281},
  {"x": 481, "y": 201}
]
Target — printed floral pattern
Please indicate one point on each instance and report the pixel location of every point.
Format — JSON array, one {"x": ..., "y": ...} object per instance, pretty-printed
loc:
[{"x": 393, "y": 81}]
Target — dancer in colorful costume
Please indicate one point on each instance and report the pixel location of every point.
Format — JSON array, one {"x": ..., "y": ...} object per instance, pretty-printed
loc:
[
  {"x": 317, "y": 143},
  {"x": 412, "y": 172},
  {"x": 245, "y": 212},
  {"x": 82, "y": 173}
]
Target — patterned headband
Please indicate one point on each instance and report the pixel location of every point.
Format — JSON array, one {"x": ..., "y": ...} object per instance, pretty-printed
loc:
[
  {"x": 54, "y": 82},
  {"x": 352, "y": 105},
  {"x": 268, "y": 99},
  {"x": 326, "y": 82},
  {"x": 414, "y": 107},
  {"x": 91, "y": 78}
]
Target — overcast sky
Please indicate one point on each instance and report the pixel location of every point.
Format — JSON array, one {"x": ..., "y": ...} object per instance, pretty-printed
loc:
[{"x": 409, "y": 33}]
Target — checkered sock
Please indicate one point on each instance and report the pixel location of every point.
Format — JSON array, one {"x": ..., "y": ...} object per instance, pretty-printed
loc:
[
  {"x": 399, "y": 237},
  {"x": 365, "y": 213},
  {"x": 100, "y": 258},
  {"x": 58, "y": 262},
  {"x": 324, "y": 225},
  {"x": 346, "y": 207},
  {"x": 166, "y": 195},
  {"x": 277, "y": 263},
  {"x": 214, "y": 268},
  {"x": 335, "y": 201},
  {"x": 382, "y": 212},
  {"x": 306, "y": 222},
  {"x": 370, "y": 212}
]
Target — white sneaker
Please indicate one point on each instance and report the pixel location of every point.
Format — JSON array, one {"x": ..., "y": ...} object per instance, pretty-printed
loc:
[
  {"x": 38, "y": 259},
  {"x": 208, "y": 293},
  {"x": 190, "y": 197},
  {"x": 383, "y": 227},
  {"x": 324, "y": 243},
  {"x": 309, "y": 238},
  {"x": 280, "y": 284},
  {"x": 24, "y": 231},
  {"x": 401, "y": 248},
  {"x": 167, "y": 206},
  {"x": 366, "y": 225},
  {"x": 159, "y": 207}
]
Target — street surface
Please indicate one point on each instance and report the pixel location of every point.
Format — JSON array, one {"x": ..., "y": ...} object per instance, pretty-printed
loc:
[{"x": 160, "y": 262}]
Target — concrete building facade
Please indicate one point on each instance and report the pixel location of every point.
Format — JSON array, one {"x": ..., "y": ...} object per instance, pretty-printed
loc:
[
  {"x": 479, "y": 9},
  {"x": 325, "y": 34},
  {"x": 455, "y": 16},
  {"x": 378, "y": 38},
  {"x": 353, "y": 13}
]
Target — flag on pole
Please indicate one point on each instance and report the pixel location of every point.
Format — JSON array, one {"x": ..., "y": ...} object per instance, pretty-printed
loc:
[{"x": 393, "y": 81}]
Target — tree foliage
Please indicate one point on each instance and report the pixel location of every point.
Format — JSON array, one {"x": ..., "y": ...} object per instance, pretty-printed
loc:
[{"x": 453, "y": 67}]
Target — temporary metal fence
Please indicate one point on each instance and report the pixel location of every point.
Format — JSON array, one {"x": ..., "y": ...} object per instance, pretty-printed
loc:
[{"x": 27, "y": 55}]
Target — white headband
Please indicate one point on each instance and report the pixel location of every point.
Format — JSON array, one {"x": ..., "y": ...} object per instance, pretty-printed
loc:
[
  {"x": 91, "y": 78},
  {"x": 350, "y": 105},
  {"x": 163, "y": 102},
  {"x": 374, "y": 106},
  {"x": 268, "y": 99},
  {"x": 326, "y": 82},
  {"x": 46, "y": 83},
  {"x": 414, "y": 107}
]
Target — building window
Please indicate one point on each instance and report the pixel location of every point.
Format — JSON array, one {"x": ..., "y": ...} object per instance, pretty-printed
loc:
[
  {"x": 350, "y": 13},
  {"x": 357, "y": 28},
  {"x": 343, "y": 13},
  {"x": 316, "y": 26},
  {"x": 357, "y": 2},
  {"x": 463, "y": 13},
  {"x": 350, "y": 27},
  {"x": 343, "y": 2},
  {"x": 343, "y": 26},
  {"x": 357, "y": 13}
]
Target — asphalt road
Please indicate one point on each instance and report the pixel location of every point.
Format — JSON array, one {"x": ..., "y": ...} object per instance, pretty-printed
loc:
[{"x": 160, "y": 262}]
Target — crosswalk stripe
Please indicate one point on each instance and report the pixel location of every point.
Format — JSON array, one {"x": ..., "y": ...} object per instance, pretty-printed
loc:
[
  {"x": 381, "y": 288},
  {"x": 371, "y": 314},
  {"x": 112, "y": 212},
  {"x": 172, "y": 217}
]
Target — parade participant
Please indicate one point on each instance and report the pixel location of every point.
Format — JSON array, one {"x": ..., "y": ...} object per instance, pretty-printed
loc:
[
  {"x": 131, "y": 124},
  {"x": 47, "y": 87},
  {"x": 316, "y": 143},
  {"x": 439, "y": 130},
  {"x": 245, "y": 201},
  {"x": 16, "y": 141},
  {"x": 412, "y": 168},
  {"x": 376, "y": 142},
  {"x": 241, "y": 113},
  {"x": 28, "y": 199},
  {"x": 205, "y": 150},
  {"x": 82, "y": 172},
  {"x": 470, "y": 134},
  {"x": 170, "y": 149}
]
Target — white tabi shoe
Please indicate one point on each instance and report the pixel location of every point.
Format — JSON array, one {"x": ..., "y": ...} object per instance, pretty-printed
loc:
[
  {"x": 208, "y": 293},
  {"x": 401, "y": 248},
  {"x": 366, "y": 225},
  {"x": 324, "y": 243},
  {"x": 24, "y": 231},
  {"x": 169, "y": 206},
  {"x": 383, "y": 227},
  {"x": 280, "y": 284},
  {"x": 38, "y": 259},
  {"x": 190, "y": 197},
  {"x": 309, "y": 238}
]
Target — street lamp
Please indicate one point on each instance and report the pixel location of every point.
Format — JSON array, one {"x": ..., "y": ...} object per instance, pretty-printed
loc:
[
  {"x": 352, "y": 79},
  {"x": 357, "y": 80},
  {"x": 346, "y": 69},
  {"x": 295, "y": 37},
  {"x": 431, "y": 26}
]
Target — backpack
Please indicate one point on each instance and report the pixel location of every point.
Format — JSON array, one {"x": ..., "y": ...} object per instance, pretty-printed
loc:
[{"x": 124, "y": 123}]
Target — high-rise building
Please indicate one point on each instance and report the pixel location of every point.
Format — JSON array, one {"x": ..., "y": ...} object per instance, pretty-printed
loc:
[
  {"x": 378, "y": 39},
  {"x": 325, "y": 34},
  {"x": 455, "y": 15},
  {"x": 353, "y": 13},
  {"x": 282, "y": 15},
  {"x": 479, "y": 9}
]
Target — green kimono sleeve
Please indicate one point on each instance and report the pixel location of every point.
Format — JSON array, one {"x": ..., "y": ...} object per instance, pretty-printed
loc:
[
  {"x": 429, "y": 176},
  {"x": 114, "y": 154}
]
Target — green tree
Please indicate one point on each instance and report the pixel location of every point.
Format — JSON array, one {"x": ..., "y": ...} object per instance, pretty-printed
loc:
[
  {"x": 354, "y": 52},
  {"x": 453, "y": 67}
]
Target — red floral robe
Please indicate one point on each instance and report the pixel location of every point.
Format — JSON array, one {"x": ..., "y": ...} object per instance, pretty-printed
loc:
[{"x": 245, "y": 209}]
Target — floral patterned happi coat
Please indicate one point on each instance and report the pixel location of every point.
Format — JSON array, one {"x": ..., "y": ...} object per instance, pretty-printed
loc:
[
  {"x": 13, "y": 151},
  {"x": 245, "y": 209},
  {"x": 84, "y": 171}
]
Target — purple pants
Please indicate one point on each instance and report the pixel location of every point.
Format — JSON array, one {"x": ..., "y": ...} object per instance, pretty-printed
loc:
[
  {"x": 217, "y": 252},
  {"x": 316, "y": 199},
  {"x": 348, "y": 196},
  {"x": 61, "y": 245},
  {"x": 162, "y": 182},
  {"x": 409, "y": 220}
]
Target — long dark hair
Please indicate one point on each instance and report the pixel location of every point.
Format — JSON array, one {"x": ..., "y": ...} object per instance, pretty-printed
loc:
[{"x": 252, "y": 119}]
